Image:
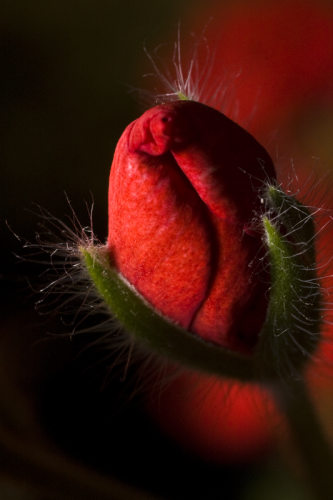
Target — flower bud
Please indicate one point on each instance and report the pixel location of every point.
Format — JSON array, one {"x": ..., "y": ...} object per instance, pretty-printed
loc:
[
  {"x": 184, "y": 189},
  {"x": 208, "y": 262}
]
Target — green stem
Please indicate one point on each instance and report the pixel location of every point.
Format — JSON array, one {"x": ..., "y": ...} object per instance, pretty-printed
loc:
[{"x": 314, "y": 450}]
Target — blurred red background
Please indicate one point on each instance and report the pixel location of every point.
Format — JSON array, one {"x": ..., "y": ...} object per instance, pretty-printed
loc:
[{"x": 282, "y": 54}]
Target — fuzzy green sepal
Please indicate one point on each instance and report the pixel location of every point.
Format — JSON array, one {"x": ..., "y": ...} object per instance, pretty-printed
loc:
[
  {"x": 183, "y": 97},
  {"x": 291, "y": 330},
  {"x": 155, "y": 331}
]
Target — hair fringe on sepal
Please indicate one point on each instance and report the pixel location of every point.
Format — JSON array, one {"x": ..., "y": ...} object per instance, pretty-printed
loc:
[
  {"x": 70, "y": 294},
  {"x": 313, "y": 303},
  {"x": 187, "y": 77}
]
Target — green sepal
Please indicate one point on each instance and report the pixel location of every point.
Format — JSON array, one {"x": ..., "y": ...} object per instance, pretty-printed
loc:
[
  {"x": 182, "y": 97},
  {"x": 299, "y": 223},
  {"x": 155, "y": 331},
  {"x": 292, "y": 327}
]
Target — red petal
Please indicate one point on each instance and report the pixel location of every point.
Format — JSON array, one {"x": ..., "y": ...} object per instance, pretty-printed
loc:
[
  {"x": 179, "y": 239},
  {"x": 158, "y": 233}
]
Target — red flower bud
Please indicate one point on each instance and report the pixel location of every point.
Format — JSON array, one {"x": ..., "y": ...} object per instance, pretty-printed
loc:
[{"x": 184, "y": 189}]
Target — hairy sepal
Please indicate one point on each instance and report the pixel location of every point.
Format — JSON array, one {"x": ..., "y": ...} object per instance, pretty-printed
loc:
[
  {"x": 291, "y": 330},
  {"x": 156, "y": 332}
]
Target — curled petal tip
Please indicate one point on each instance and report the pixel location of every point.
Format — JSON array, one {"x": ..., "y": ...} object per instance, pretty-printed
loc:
[{"x": 159, "y": 130}]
